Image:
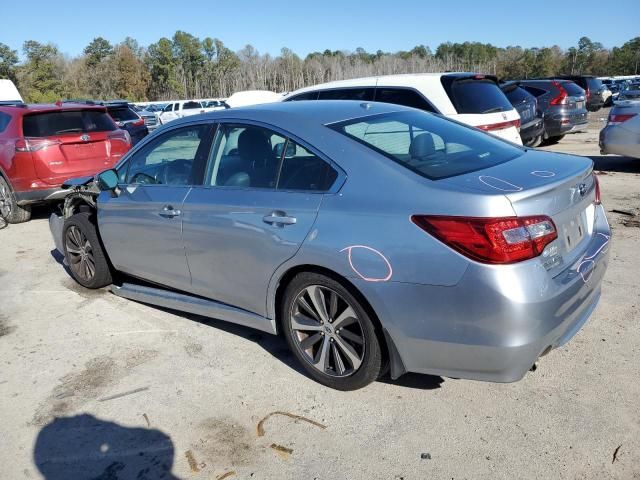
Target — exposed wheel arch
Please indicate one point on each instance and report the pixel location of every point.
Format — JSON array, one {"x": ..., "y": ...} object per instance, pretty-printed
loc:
[{"x": 391, "y": 356}]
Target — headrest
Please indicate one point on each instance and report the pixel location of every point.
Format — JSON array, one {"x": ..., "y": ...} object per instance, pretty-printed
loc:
[
  {"x": 253, "y": 145},
  {"x": 422, "y": 146}
]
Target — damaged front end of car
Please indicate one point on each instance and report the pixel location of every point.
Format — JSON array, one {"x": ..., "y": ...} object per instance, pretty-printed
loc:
[{"x": 83, "y": 192}]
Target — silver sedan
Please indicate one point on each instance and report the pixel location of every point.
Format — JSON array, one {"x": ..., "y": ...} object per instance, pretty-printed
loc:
[
  {"x": 621, "y": 135},
  {"x": 367, "y": 234}
]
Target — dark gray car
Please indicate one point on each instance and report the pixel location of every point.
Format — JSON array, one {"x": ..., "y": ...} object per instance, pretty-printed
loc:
[{"x": 563, "y": 104}]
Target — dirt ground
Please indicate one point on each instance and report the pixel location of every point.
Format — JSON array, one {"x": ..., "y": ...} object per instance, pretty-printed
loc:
[{"x": 96, "y": 386}]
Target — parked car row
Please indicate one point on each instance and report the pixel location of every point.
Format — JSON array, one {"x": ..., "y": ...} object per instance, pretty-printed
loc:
[{"x": 185, "y": 108}]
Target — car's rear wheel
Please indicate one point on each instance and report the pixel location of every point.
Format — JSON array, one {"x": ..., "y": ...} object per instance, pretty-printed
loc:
[
  {"x": 330, "y": 332},
  {"x": 553, "y": 140},
  {"x": 84, "y": 253},
  {"x": 9, "y": 208},
  {"x": 533, "y": 142}
]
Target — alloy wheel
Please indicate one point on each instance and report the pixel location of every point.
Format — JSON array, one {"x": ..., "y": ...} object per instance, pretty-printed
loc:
[
  {"x": 327, "y": 331},
  {"x": 5, "y": 201},
  {"x": 80, "y": 253}
]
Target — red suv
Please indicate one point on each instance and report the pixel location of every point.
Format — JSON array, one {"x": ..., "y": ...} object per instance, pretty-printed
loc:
[{"x": 41, "y": 146}]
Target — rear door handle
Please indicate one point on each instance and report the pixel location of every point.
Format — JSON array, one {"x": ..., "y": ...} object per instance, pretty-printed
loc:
[
  {"x": 169, "y": 212},
  {"x": 278, "y": 217}
]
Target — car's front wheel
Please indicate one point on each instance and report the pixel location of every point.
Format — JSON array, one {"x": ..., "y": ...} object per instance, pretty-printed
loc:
[
  {"x": 84, "y": 253},
  {"x": 330, "y": 332}
]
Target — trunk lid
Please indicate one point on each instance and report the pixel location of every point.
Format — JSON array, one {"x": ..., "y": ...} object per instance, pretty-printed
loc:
[{"x": 540, "y": 183}]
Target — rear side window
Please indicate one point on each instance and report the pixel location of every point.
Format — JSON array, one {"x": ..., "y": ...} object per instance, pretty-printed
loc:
[
  {"x": 536, "y": 92},
  {"x": 46, "y": 124},
  {"x": 427, "y": 144},
  {"x": 122, "y": 114},
  {"x": 403, "y": 96},
  {"x": 475, "y": 95},
  {"x": 365, "y": 94},
  {"x": 304, "y": 96},
  {"x": 304, "y": 170},
  {"x": 191, "y": 105},
  {"x": 5, "y": 119},
  {"x": 573, "y": 89}
]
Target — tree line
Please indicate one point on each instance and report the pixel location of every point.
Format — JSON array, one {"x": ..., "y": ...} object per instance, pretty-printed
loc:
[{"x": 185, "y": 66}]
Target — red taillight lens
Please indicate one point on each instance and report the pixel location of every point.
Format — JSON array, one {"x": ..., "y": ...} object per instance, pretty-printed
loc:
[
  {"x": 34, "y": 144},
  {"x": 138, "y": 123},
  {"x": 620, "y": 118},
  {"x": 500, "y": 126},
  {"x": 597, "y": 182},
  {"x": 491, "y": 240},
  {"x": 561, "y": 98},
  {"x": 121, "y": 135}
]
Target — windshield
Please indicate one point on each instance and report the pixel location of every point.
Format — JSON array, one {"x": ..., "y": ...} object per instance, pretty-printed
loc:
[{"x": 428, "y": 144}]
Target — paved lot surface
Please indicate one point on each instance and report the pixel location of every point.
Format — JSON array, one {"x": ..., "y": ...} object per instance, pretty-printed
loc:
[{"x": 95, "y": 386}]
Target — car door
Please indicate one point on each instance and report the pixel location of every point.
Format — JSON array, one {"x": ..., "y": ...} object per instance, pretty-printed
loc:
[
  {"x": 258, "y": 202},
  {"x": 141, "y": 225}
]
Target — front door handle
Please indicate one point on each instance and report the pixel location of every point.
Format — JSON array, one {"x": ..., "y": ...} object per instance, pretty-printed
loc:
[
  {"x": 278, "y": 217},
  {"x": 169, "y": 212}
]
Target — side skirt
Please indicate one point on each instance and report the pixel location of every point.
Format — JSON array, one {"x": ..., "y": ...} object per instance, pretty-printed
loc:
[{"x": 192, "y": 304}]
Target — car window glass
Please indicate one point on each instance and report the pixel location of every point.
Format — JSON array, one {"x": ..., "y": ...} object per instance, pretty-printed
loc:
[
  {"x": 5, "y": 118},
  {"x": 365, "y": 94},
  {"x": 191, "y": 105},
  {"x": 304, "y": 170},
  {"x": 536, "y": 92},
  {"x": 403, "y": 96},
  {"x": 427, "y": 144},
  {"x": 304, "y": 96},
  {"x": 168, "y": 108},
  {"x": 122, "y": 114},
  {"x": 176, "y": 106},
  {"x": 46, "y": 124},
  {"x": 169, "y": 160},
  {"x": 245, "y": 156},
  {"x": 475, "y": 95}
]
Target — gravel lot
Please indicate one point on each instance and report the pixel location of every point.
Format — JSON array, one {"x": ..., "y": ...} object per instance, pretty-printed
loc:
[{"x": 95, "y": 386}]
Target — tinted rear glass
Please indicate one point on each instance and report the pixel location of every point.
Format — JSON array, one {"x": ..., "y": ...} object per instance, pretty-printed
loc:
[
  {"x": 573, "y": 89},
  {"x": 347, "y": 94},
  {"x": 304, "y": 96},
  {"x": 518, "y": 95},
  {"x": 471, "y": 95},
  {"x": 122, "y": 114},
  {"x": 56, "y": 123},
  {"x": 191, "y": 105},
  {"x": 534, "y": 91},
  {"x": 403, "y": 96},
  {"x": 428, "y": 145}
]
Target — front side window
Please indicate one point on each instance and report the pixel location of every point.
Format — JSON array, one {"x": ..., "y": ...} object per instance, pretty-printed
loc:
[
  {"x": 428, "y": 145},
  {"x": 168, "y": 108},
  {"x": 245, "y": 156},
  {"x": 171, "y": 158},
  {"x": 304, "y": 170}
]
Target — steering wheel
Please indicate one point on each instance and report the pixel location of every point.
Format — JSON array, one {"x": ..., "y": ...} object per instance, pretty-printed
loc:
[
  {"x": 177, "y": 172},
  {"x": 143, "y": 179}
]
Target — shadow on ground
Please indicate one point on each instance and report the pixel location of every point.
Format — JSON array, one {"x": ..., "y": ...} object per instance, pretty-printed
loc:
[
  {"x": 85, "y": 447},
  {"x": 606, "y": 163}
]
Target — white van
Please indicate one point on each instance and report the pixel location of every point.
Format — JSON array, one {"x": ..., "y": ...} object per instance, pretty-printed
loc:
[
  {"x": 179, "y": 109},
  {"x": 9, "y": 93},
  {"x": 470, "y": 98}
]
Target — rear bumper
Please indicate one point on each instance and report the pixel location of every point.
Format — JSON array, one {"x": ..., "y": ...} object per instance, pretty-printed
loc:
[
  {"x": 498, "y": 320},
  {"x": 557, "y": 128},
  {"x": 28, "y": 197},
  {"x": 617, "y": 140},
  {"x": 532, "y": 130}
]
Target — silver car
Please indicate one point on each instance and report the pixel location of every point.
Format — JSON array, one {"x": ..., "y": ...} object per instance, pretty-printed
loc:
[
  {"x": 621, "y": 135},
  {"x": 367, "y": 234}
]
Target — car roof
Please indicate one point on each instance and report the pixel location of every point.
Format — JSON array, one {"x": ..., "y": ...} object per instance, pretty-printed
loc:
[{"x": 301, "y": 112}]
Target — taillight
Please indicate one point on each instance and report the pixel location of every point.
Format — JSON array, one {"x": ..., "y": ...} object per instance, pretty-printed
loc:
[
  {"x": 138, "y": 123},
  {"x": 616, "y": 119},
  {"x": 121, "y": 135},
  {"x": 500, "y": 126},
  {"x": 491, "y": 240},
  {"x": 561, "y": 98},
  {"x": 588, "y": 93},
  {"x": 34, "y": 144},
  {"x": 597, "y": 182}
]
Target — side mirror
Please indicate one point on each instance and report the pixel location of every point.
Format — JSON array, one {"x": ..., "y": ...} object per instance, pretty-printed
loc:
[
  {"x": 290, "y": 153},
  {"x": 107, "y": 180}
]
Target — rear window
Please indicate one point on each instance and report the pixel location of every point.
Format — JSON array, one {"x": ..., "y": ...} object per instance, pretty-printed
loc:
[
  {"x": 428, "y": 145},
  {"x": 122, "y": 114},
  {"x": 475, "y": 95},
  {"x": 573, "y": 89},
  {"x": 517, "y": 95},
  {"x": 46, "y": 124},
  {"x": 594, "y": 84}
]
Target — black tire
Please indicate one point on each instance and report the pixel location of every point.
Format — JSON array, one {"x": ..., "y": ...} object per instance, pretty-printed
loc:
[
  {"x": 9, "y": 208},
  {"x": 83, "y": 250},
  {"x": 533, "y": 142},
  {"x": 367, "y": 348},
  {"x": 553, "y": 140}
]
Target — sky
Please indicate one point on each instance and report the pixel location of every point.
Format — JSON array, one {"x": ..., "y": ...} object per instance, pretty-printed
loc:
[{"x": 305, "y": 27}]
